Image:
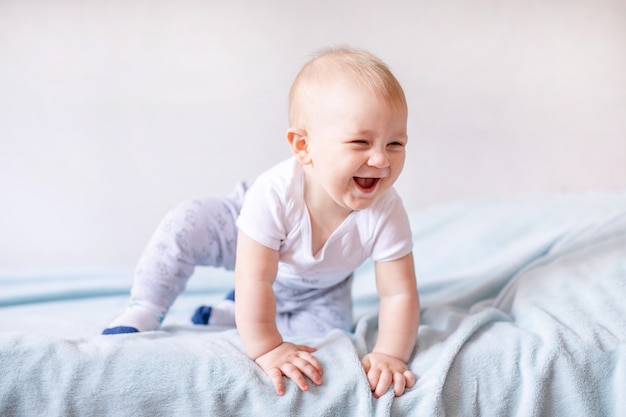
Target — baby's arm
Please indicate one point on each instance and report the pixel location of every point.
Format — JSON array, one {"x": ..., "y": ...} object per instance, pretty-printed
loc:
[
  {"x": 255, "y": 313},
  {"x": 398, "y": 323}
]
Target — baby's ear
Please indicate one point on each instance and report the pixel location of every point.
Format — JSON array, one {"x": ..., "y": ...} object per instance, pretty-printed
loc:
[{"x": 299, "y": 144}]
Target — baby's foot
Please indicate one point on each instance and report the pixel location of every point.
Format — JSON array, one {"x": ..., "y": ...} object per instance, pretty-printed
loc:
[
  {"x": 136, "y": 318},
  {"x": 221, "y": 315}
]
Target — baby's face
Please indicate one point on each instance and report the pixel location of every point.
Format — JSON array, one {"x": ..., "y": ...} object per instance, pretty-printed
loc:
[{"x": 356, "y": 145}]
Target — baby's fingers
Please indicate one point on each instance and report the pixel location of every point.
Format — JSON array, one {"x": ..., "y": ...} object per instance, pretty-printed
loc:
[
  {"x": 293, "y": 373},
  {"x": 402, "y": 381},
  {"x": 309, "y": 365},
  {"x": 373, "y": 377},
  {"x": 399, "y": 384},
  {"x": 300, "y": 367},
  {"x": 276, "y": 376},
  {"x": 410, "y": 378},
  {"x": 385, "y": 379}
]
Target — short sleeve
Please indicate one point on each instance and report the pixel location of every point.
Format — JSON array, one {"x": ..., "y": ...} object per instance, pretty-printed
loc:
[
  {"x": 393, "y": 238},
  {"x": 262, "y": 213}
]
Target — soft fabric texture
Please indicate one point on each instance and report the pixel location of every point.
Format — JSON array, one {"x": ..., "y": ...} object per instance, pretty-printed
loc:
[{"x": 523, "y": 313}]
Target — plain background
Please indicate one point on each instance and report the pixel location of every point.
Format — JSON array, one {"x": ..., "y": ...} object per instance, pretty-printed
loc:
[{"x": 112, "y": 112}]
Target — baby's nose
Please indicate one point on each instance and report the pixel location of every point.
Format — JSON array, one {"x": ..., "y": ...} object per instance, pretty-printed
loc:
[{"x": 378, "y": 159}]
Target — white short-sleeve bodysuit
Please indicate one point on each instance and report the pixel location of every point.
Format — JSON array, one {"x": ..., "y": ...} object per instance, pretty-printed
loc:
[{"x": 313, "y": 290}]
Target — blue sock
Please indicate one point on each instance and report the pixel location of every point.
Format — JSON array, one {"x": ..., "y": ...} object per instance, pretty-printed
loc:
[
  {"x": 201, "y": 315},
  {"x": 221, "y": 315},
  {"x": 120, "y": 330}
]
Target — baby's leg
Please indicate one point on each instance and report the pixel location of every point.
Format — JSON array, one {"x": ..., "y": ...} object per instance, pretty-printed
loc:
[
  {"x": 196, "y": 232},
  {"x": 316, "y": 313}
]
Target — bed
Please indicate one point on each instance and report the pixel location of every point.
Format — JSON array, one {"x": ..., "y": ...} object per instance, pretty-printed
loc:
[{"x": 523, "y": 314}]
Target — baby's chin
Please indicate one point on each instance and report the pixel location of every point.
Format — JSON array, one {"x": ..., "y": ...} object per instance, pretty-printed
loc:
[{"x": 360, "y": 203}]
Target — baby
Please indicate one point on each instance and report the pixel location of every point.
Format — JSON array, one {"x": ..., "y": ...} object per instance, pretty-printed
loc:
[{"x": 300, "y": 230}]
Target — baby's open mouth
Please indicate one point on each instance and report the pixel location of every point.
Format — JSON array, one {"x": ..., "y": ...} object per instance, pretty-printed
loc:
[{"x": 366, "y": 184}]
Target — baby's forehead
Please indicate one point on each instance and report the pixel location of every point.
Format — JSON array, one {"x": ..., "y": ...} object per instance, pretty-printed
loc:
[
  {"x": 341, "y": 84},
  {"x": 347, "y": 94}
]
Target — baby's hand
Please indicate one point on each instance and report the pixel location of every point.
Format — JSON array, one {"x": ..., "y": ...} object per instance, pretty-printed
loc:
[
  {"x": 293, "y": 361},
  {"x": 384, "y": 371}
]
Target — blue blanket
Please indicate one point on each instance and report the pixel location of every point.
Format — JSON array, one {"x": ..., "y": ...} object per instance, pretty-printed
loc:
[{"x": 523, "y": 313}]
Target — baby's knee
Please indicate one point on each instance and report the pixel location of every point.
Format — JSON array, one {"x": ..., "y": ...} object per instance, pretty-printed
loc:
[
  {"x": 184, "y": 214},
  {"x": 204, "y": 231}
]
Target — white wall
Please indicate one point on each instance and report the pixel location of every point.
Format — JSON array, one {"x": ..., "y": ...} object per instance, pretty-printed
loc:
[{"x": 113, "y": 111}]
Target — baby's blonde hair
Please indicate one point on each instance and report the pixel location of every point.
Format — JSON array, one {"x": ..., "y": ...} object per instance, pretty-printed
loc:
[{"x": 343, "y": 63}]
